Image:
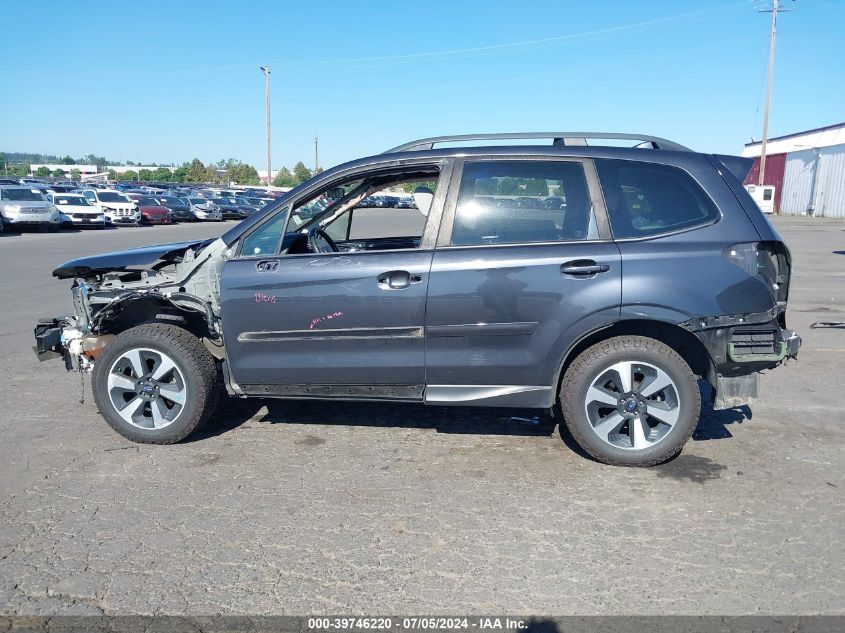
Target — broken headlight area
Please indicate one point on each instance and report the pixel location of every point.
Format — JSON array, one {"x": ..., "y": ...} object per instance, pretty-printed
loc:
[{"x": 111, "y": 293}]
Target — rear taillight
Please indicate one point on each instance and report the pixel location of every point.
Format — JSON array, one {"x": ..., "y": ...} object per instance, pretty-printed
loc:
[{"x": 769, "y": 260}]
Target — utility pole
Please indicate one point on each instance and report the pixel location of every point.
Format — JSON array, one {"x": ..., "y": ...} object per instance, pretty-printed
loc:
[
  {"x": 266, "y": 71},
  {"x": 316, "y": 153},
  {"x": 774, "y": 11}
]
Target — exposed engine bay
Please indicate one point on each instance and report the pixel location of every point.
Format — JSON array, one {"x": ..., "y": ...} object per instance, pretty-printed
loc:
[{"x": 178, "y": 283}]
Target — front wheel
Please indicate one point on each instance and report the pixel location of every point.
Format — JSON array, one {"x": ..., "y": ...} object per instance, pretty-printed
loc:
[
  {"x": 155, "y": 384},
  {"x": 630, "y": 401}
]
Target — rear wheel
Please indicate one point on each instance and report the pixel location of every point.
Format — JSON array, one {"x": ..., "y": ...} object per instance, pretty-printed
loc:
[
  {"x": 155, "y": 384},
  {"x": 630, "y": 401}
]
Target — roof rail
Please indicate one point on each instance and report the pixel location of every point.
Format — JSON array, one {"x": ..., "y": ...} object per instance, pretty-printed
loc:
[{"x": 558, "y": 139}]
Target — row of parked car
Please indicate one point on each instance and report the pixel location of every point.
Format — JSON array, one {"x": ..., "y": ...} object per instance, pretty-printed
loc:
[
  {"x": 54, "y": 205},
  {"x": 396, "y": 202}
]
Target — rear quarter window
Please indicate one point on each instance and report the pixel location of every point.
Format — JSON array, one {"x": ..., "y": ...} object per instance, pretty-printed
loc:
[{"x": 645, "y": 199}]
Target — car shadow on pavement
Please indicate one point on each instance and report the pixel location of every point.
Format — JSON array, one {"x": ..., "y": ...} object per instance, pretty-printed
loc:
[
  {"x": 463, "y": 420},
  {"x": 234, "y": 412},
  {"x": 713, "y": 425}
]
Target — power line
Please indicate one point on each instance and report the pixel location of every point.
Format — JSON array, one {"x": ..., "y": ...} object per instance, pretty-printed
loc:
[{"x": 533, "y": 44}]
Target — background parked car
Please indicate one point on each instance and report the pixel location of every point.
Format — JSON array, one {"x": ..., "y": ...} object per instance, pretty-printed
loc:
[
  {"x": 117, "y": 208},
  {"x": 204, "y": 210},
  {"x": 152, "y": 212},
  {"x": 25, "y": 206},
  {"x": 229, "y": 208},
  {"x": 78, "y": 209},
  {"x": 179, "y": 208}
]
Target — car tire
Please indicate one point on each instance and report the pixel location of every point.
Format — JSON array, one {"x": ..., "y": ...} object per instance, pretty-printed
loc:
[
  {"x": 612, "y": 410},
  {"x": 181, "y": 371}
]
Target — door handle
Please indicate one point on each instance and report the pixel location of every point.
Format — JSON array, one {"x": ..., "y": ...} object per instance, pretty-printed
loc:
[
  {"x": 583, "y": 268},
  {"x": 267, "y": 265},
  {"x": 397, "y": 280}
]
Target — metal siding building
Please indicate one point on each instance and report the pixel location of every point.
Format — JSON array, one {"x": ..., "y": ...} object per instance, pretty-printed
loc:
[{"x": 813, "y": 176}]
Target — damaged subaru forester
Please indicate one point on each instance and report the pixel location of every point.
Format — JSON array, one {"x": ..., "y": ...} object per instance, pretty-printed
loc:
[{"x": 596, "y": 276}]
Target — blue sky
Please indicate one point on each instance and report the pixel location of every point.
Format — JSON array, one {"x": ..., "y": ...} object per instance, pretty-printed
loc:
[{"x": 167, "y": 81}]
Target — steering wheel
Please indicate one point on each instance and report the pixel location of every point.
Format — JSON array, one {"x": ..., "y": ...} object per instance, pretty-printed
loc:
[{"x": 318, "y": 240}]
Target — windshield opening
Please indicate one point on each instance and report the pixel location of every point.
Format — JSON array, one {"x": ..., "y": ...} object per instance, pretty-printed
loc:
[
  {"x": 77, "y": 200},
  {"x": 110, "y": 196},
  {"x": 22, "y": 195}
]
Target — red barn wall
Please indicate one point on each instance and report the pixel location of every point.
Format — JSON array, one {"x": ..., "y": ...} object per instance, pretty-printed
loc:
[{"x": 775, "y": 166}]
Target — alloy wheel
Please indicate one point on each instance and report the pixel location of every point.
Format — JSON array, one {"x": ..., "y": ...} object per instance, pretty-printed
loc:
[
  {"x": 147, "y": 388},
  {"x": 632, "y": 405}
]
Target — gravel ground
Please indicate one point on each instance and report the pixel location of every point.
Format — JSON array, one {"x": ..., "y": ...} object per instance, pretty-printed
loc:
[{"x": 292, "y": 508}]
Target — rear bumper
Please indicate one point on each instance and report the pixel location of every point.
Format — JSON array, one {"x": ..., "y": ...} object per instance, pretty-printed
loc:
[{"x": 741, "y": 346}]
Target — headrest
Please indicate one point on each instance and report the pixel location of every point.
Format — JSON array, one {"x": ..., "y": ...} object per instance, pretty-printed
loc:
[{"x": 423, "y": 197}]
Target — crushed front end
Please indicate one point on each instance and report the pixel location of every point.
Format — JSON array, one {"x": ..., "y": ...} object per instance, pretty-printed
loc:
[{"x": 119, "y": 290}]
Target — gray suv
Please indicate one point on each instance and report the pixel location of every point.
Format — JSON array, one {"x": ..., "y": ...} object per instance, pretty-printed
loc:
[{"x": 607, "y": 280}]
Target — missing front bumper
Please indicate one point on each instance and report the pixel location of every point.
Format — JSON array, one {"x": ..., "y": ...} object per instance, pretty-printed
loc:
[{"x": 48, "y": 342}]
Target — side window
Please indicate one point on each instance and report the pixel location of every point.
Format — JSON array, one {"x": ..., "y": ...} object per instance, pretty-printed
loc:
[
  {"x": 379, "y": 211},
  {"x": 90, "y": 195},
  {"x": 339, "y": 229},
  {"x": 265, "y": 240},
  {"x": 647, "y": 199},
  {"x": 515, "y": 201}
]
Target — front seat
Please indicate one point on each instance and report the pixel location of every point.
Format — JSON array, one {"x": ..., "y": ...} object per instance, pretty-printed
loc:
[{"x": 423, "y": 197}]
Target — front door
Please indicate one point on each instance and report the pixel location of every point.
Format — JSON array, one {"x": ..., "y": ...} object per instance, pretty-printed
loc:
[
  {"x": 332, "y": 324},
  {"x": 331, "y": 319},
  {"x": 524, "y": 267}
]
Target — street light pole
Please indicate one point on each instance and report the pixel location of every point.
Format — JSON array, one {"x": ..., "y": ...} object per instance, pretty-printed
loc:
[
  {"x": 774, "y": 10},
  {"x": 316, "y": 153},
  {"x": 266, "y": 71}
]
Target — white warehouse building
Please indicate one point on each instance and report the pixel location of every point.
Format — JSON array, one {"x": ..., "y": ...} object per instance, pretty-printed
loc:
[{"x": 807, "y": 170}]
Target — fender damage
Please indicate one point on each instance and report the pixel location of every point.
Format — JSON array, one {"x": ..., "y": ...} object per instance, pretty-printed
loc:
[{"x": 171, "y": 281}]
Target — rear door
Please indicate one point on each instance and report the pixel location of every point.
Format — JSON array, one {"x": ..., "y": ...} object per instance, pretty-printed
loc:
[{"x": 524, "y": 267}]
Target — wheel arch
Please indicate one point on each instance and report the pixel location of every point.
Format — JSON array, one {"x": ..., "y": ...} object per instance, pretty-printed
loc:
[
  {"x": 685, "y": 343},
  {"x": 140, "y": 309}
]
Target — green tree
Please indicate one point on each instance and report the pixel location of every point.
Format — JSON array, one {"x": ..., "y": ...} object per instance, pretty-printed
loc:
[
  {"x": 162, "y": 174},
  {"x": 486, "y": 187},
  {"x": 195, "y": 171},
  {"x": 59, "y": 173},
  {"x": 128, "y": 175},
  {"x": 536, "y": 187},
  {"x": 211, "y": 174},
  {"x": 75, "y": 174},
  {"x": 67, "y": 160},
  {"x": 181, "y": 172},
  {"x": 93, "y": 159},
  {"x": 112, "y": 175},
  {"x": 42, "y": 171},
  {"x": 241, "y": 173},
  {"x": 145, "y": 175},
  {"x": 284, "y": 178},
  {"x": 301, "y": 172},
  {"x": 508, "y": 186},
  {"x": 20, "y": 170}
]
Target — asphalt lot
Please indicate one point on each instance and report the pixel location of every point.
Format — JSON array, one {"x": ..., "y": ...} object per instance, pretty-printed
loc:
[{"x": 294, "y": 508}]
